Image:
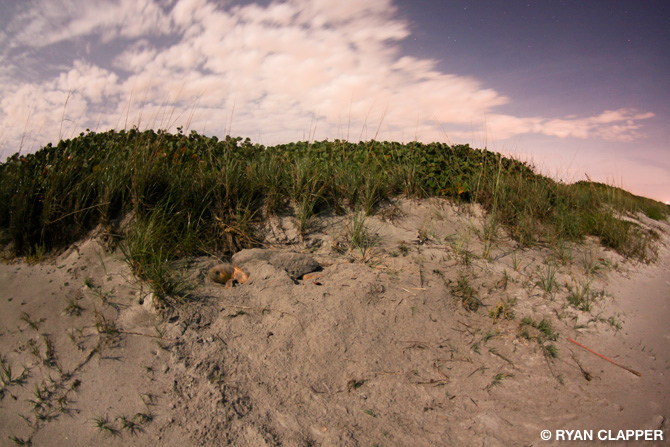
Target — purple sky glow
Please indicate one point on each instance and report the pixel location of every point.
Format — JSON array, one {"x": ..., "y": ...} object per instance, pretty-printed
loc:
[{"x": 575, "y": 87}]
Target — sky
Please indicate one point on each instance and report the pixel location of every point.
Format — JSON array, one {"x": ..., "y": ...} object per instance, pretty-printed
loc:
[{"x": 578, "y": 88}]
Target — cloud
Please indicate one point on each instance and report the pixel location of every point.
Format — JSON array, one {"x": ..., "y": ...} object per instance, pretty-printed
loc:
[
  {"x": 48, "y": 22},
  {"x": 93, "y": 83},
  {"x": 291, "y": 69},
  {"x": 614, "y": 125}
]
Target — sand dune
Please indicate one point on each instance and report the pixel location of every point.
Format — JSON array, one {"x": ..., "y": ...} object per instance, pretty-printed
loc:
[{"x": 432, "y": 337}]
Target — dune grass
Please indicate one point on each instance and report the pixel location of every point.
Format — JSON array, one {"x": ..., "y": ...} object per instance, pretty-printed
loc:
[{"x": 166, "y": 196}]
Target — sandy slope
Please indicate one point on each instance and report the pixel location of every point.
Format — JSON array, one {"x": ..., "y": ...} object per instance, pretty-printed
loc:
[
  {"x": 381, "y": 352},
  {"x": 643, "y": 297}
]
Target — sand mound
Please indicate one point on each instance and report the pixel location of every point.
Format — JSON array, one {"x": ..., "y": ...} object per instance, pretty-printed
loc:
[{"x": 435, "y": 334}]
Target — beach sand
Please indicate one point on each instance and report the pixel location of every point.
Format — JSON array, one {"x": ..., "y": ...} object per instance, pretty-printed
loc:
[{"x": 376, "y": 348}]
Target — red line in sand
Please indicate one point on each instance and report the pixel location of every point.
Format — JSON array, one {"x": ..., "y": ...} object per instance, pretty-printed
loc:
[{"x": 603, "y": 357}]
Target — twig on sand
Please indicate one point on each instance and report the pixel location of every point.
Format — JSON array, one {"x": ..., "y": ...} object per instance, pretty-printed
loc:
[
  {"x": 78, "y": 211},
  {"x": 605, "y": 358}
]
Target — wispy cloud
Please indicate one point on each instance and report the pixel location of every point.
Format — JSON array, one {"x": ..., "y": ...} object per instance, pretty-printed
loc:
[
  {"x": 47, "y": 22},
  {"x": 615, "y": 125},
  {"x": 327, "y": 68}
]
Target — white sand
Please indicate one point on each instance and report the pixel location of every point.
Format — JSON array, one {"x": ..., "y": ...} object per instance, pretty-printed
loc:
[{"x": 367, "y": 353}]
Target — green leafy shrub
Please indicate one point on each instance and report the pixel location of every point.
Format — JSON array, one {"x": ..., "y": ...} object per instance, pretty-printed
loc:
[{"x": 202, "y": 195}]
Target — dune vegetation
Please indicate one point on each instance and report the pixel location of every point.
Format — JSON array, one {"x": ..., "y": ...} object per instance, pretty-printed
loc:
[{"x": 164, "y": 196}]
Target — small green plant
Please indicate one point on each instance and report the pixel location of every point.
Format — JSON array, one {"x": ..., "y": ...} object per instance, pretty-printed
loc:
[
  {"x": 307, "y": 185},
  {"x": 422, "y": 236},
  {"x": 580, "y": 296},
  {"x": 36, "y": 254},
  {"x": 546, "y": 330},
  {"x": 497, "y": 380},
  {"x": 6, "y": 373},
  {"x": 7, "y": 376},
  {"x": 134, "y": 425},
  {"x": 516, "y": 263},
  {"x": 104, "y": 426},
  {"x": 543, "y": 333},
  {"x": 359, "y": 234},
  {"x": 143, "y": 418},
  {"x": 562, "y": 252},
  {"x": 49, "y": 360},
  {"x": 504, "y": 281},
  {"x": 616, "y": 324},
  {"x": 593, "y": 263},
  {"x": 62, "y": 405},
  {"x": 549, "y": 350},
  {"x": 72, "y": 335},
  {"x": 26, "y": 419},
  {"x": 73, "y": 309},
  {"x": 21, "y": 441},
  {"x": 49, "y": 401},
  {"x": 503, "y": 310},
  {"x": 489, "y": 234},
  {"x": 467, "y": 294},
  {"x": 34, "y": 349},
  {"x": 98, "y": 291},
  {"x": 153, "y": 265},
  {"x": 489, "y": 336},
  {"x": 461, "y": 247},
  {"x": 130, "y": 424},
  {"x": 34, "y": 324},
  {"x": 304, "y": 213},
  {"x": 8, "y": 379},
  {"x": 105, "y": 327},
  {"x": 547, "y": 279},
  {"x": 148, "y": 399}
]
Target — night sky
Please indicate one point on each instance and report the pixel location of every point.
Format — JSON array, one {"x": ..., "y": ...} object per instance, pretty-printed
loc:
[{"x": 575, "y": 87}]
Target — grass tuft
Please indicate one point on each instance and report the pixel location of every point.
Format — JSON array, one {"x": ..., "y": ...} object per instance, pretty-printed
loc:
[
  {"x": 580, "y": 296},
  {"x": 497, "y": 380},
  {"x": 34, "y": 324},
  {"x": 20, "y": 441},
  {"x": 503, "y": 310},
  {"x": 73, "y": 309},
  {"x": 543, "y": 333},
  {"x": 360, "y": 236},
  {"x": 466, "y": 293},
  {"x": 547, "y": 279},
  {"x": 103, "y": 425}
]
